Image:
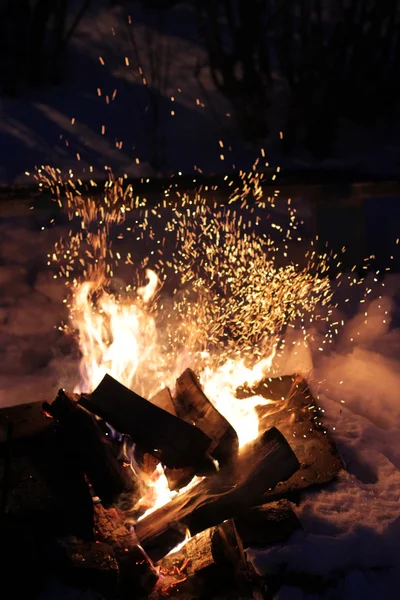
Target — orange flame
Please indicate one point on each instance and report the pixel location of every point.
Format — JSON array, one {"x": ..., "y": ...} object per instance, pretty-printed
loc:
[
  {"x": 119, "y": 336},
  {"x": 220, "y": 387},
  {"x": 115, "y": 336}
]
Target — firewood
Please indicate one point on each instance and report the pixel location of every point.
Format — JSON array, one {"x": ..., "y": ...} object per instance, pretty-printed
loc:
[
  {"x": 92, "y": 565},
  {"x": 27, "y": 421},
  {"x": 173, "y": 441},
  {"x": 210, "y": 559},
  {"x": 261, "y": 466},
  {"x": 87, "y": 443},
  {"x": 42, "y": 486},
  {"x": 163, "y": 399},
  {"x": 178, "y": 478},
  {"x": 193, "y": 406},
  {"x": 215, "y": 546},
  {"x": 300, "y": 419},
  {"x": 136, "y": 570},
  {"x": 268, "y": 524}
]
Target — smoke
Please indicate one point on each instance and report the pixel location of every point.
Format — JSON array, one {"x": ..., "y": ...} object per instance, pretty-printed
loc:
[{"x": 351, "y": 527}]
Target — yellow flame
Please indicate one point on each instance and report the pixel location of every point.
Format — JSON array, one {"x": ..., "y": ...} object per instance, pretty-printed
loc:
[
  {"x": 181, "y": 544},
  {"x": 220, "y": 387},
  {"x": 158, "y": 492},
  {"x": 116, "y": 336}
]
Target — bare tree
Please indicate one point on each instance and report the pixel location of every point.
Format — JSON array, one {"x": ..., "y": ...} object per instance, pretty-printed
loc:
[
  {"x": 34, "y": 37},
  {"x": 340, "y": 58}
]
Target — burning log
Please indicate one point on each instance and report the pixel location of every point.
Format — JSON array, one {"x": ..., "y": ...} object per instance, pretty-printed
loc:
[
  {"x": 227, "y": 494},
  {"x": 212, "y": 559},
  {"x": 218, "y": 545},
  {"x": 163, "y": 399},
  {"x": 177, "y": 478},
  {"x": 136, "y": 570},
  {"x": 91, "y": 449},
  {"x": 193, "y": 406},
  {"x": 212, "y": 564},
  {"x": 173, "y": 441}
]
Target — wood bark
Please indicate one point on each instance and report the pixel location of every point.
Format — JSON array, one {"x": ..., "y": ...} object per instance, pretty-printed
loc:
[
  {"x": 209, "y": 563},
  {"x": 218, "y": 545},
  {"x": 193, "y": 406},
  {"x": 173, "y": 441},
  {"x": 136, "y": 570},
  {"x": 267, "y": 524},
  {"x": 225, "y": 495},
  {"x": 91, "y": 449},
  {"x": 178, "y": 478}
]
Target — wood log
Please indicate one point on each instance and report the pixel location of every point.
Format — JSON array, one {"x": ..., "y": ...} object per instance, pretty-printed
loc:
[
  {"x": 211, "y": 558},
  {"x": 173, "y": 441},
  {"x": 300, "y": 419},
  {"x": 193, "y": 406},
  {"x": 218, "y": 545},
  {"x": 178, "y": 478},
  {"x": 137, "y": 573},
  {"x": 91, "y": 449},
  {"x": 267, "y": 524},
  {"x": 163, "y": 399},
  {"x": 259, "y": 467}
]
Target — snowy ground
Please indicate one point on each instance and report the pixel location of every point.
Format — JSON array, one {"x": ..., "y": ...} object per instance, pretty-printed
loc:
[
  {"x": 350, "y": 545},
  {"x": 56, "y": 124}
]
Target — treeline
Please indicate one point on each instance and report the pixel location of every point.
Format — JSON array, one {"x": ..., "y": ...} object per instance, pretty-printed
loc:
[
  {"x": 34, "y": 36},
  {"x": 339, "y": 58}
]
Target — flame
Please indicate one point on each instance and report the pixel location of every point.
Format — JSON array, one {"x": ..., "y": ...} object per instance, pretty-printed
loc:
[
  {"x": 181, "y": 544},
  {"x": 220, "y": 387},
  {"x": 158, "y": 492},
  {"x": 116, "y": 336},
  {"x": 231, "y": 296}
]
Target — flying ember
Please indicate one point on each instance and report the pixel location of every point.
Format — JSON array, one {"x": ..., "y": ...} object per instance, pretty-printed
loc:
[{"x": 155, "y": 288}]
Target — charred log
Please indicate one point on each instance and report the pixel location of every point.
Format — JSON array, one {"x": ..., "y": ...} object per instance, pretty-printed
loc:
[
  {"x": 216, "y": 553},
  {"x": 91, "y": 449},
  {"x": 136, "y": 570},
  {"x": 225, "y": 495},
  {"x": 173, "y": 441},
  {"x": 193, "y": 406},
  {"x": 178, "y": 478},
  {"x": 268, "y": 524}
]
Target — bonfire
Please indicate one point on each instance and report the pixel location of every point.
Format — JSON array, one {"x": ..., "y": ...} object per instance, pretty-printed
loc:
[{"x": 187, "y": 444}]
